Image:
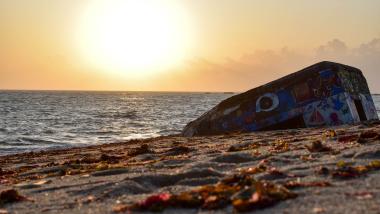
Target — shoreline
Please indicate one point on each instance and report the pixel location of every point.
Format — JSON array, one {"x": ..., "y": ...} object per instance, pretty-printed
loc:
[
  {"x": 105, "y": 178},
  {"x": 78, "y": 146}
]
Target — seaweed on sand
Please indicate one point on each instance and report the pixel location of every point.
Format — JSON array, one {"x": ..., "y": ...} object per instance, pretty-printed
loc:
[
  {"x": 345, "y": 170},
  {"x": 239, "y": 190},
  {"x": 368, "y": 136},
  {"x": 143, "y": 149},
  {"x": 299, "y": 184}
]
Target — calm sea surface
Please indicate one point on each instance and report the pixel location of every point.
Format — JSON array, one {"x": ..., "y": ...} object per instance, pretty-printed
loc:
[{"x": 45, "y": 120}]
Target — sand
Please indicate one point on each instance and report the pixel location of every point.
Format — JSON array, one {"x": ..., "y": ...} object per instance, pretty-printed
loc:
[{"x": 97, "y": 179}]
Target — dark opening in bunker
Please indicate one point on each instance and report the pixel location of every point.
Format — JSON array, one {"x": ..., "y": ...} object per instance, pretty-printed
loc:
[
  {"x": 360, "y": 109},
  {"x": 293, "y": 123}
]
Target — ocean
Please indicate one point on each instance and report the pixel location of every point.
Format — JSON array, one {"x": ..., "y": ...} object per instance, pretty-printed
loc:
[{"x": 39, "y": 120}]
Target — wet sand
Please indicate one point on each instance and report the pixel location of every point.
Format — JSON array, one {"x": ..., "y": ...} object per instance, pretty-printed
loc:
[{"x": 105, "y": 178}]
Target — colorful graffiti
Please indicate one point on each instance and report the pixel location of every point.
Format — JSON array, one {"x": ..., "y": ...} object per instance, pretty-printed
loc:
[
  {"x": 326, "y": 97},
  {"x": 334, "y": 110},
  {"x": 326, "y": 84},
  {"x": 316, "y": 118},
  {"x": 353, "y": 82},
  {"x": 331, "y": 111},
  {"x": 302, "y": 92},
  {"x": 267, "y": 102}
]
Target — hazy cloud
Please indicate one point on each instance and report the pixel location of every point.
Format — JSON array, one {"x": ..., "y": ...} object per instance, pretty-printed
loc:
[
  {"x": 333, "y": 48},
  {"x": 261, "y": 66}
]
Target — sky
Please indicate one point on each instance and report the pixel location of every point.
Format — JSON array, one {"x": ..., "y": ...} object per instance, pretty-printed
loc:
[{"x": 189, "y": 45}]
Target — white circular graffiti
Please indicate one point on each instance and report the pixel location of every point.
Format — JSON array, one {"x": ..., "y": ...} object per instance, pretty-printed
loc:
[{"x": 267, "y": 102}]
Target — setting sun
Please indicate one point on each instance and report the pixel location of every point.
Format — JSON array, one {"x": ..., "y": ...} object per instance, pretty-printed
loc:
[{"x": 135, "y": 37}]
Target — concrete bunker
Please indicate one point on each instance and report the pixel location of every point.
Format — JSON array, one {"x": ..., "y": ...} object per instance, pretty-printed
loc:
[{"x": 324, "y": 94}]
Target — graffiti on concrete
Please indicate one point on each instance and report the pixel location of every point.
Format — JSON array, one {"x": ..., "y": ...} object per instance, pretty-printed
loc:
[
  {"x": 332, "y": 111},
  {"x": 267, "y": 102},
  {"x": 325, "y": 94}
]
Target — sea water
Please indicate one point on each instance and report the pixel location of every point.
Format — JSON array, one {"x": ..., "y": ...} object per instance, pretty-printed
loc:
[{"x": 38, "y": 120}]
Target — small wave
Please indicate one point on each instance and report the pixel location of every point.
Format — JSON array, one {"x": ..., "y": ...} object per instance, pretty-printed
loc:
[
  {"x": 78, "y": 118},
  {"x": 169, "y": 131},
  {"x": 108, "y": 132},
  {"x": 105, "y": 137},
  {"x": 118, "y": 115},
  {"x": 39, "y": 141},
  {"x": 49, "y": 131},
  {"x": 10, "y": 143},
  {"x": 132, "y": 98},
  {"x": 136, "y": 124},
  {"x": 140, "y": 136}
]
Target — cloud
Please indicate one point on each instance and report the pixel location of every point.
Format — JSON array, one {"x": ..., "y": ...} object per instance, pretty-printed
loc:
[
  {"x": 261, "y": 66},
  {"x": 332, "y": 48},
  {"x": 372, "y": 47},
  {"x": 365, "y": 57}
]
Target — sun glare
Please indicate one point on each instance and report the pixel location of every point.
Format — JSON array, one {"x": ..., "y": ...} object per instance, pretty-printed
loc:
[{"x": 135, "y": 37}]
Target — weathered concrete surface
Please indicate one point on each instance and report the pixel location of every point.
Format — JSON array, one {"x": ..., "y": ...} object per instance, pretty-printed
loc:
[
  {"x": 324, "y": 94},
  {"x": 96, "y": 179}
]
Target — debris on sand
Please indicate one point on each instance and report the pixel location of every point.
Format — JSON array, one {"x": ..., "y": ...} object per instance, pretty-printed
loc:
[
  {"x": 5, "y": 172},
  {"x": 178, "y": 150},
  {"x": 348, "y": 138},
  {"x": 330, "y": 134},
  {"x": 361, "y": 195},
  {"x": 254, "y": 170},
  {"x": 318, "y": 146},
  {"x": 347, "y": 170},
  {"x": 322, "y": 171},
  {"x": 11, "y": 196},
  {"x": 266, "y": 194},
  {"x": 297, "y": 184},
  {"x": 120, "y": 208},
  {"x": 241, "y": 191},
  {"x": 143, "y": 149},
  {"x": 109, "y": 158},
  {"x": 279, "y": 146},
  {"x": 242, "y": 147},
  {"x": 199, "y": 175},
  {"x": 368, "y": 136},
  {"x": 6, "y": 176}
]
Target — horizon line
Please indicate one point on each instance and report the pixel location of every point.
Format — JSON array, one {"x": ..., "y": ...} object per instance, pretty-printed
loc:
[
  {"x": 91, "y": 90},
  {"x": 145, "y": 91}
]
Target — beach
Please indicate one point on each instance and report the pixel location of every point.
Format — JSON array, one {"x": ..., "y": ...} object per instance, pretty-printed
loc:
[
  {"x": 315, "y": 170},
  {"x": 124, "y": 106}
]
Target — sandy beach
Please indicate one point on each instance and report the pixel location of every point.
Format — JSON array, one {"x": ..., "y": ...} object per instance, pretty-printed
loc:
[
  {"x": 327, "y": 170},
  {"x": 165, "y": 106}
]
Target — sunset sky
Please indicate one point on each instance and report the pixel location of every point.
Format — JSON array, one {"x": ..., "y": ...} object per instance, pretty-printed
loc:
[{"x": 180, "y": 45}]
